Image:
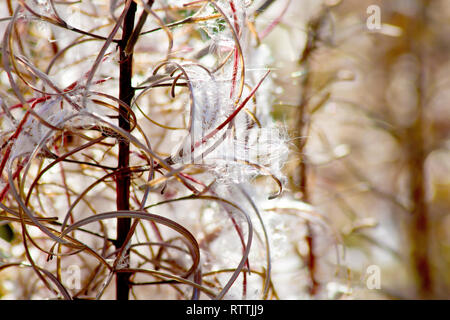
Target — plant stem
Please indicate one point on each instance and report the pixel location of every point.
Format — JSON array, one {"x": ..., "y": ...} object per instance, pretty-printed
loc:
[
  {"x": 420, "y": 236},
  {"x": 302, "y": 125},
  {"x": 126, "y": 93},
  {"x": 420, "y": 224}
]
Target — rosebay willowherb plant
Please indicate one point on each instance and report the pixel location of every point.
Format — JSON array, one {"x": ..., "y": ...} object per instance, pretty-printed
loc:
[{"x": 133, "y": 138}]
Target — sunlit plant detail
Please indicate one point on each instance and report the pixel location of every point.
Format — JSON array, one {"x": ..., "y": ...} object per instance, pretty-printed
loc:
[
  {"x": 224, "y": 149},
  {"x": 100, "y": 97}
]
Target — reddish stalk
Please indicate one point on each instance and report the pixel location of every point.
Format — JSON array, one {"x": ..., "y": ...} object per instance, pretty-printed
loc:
[
  {"x": 302, "y": 123},
  {"x": 417, "y": 153},
  {"x": 236, "y": 52},
  {"x": 126, "y": 93},
  {"x": 231, "y": 116}
]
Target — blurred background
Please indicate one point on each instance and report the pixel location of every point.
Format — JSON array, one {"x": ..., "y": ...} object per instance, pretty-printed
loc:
[{"x": 362, "y": 88}]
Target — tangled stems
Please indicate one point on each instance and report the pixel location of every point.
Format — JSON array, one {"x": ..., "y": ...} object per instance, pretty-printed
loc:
[{"x": 103, "y": 152}]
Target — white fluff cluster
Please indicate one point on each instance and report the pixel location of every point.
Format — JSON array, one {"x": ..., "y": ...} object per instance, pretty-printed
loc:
[{"x": 250, "y": 144}]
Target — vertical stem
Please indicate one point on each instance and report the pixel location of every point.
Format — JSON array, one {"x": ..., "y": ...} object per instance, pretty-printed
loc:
[
  {"x": 417, "y": 155},
  {"x": 302, "y": 124},
  {"x": 126, "y": 93},
  {"x": 420, "y": 223}
]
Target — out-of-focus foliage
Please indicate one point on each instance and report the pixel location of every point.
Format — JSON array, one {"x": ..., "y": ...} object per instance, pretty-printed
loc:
[
  {"x": 374, "y": 113},
  {"x": 357, "y": 95}
]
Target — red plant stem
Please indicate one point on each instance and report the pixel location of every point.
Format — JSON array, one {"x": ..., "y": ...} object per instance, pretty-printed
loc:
[
  {"x": 235, "y": 71},
  {"x": 311, "y": 260},
  {"x": 420, "y": 213},
  {"x": 184, "y": 175},
  {"x": 15, "y": 175},
  {"x": 417, "y": 145},
  {"x": 126, "y": 93},
  {"x": 236, "y": 53},
  {"x": 193, "y": 2},
  {"x": 244, "y": 246},
  {"x": 274, "y": 23},
  {"x": 235, "y": 225},
  {"x": 9, "y": 143},
  {"x": 302, "y": 123}
]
